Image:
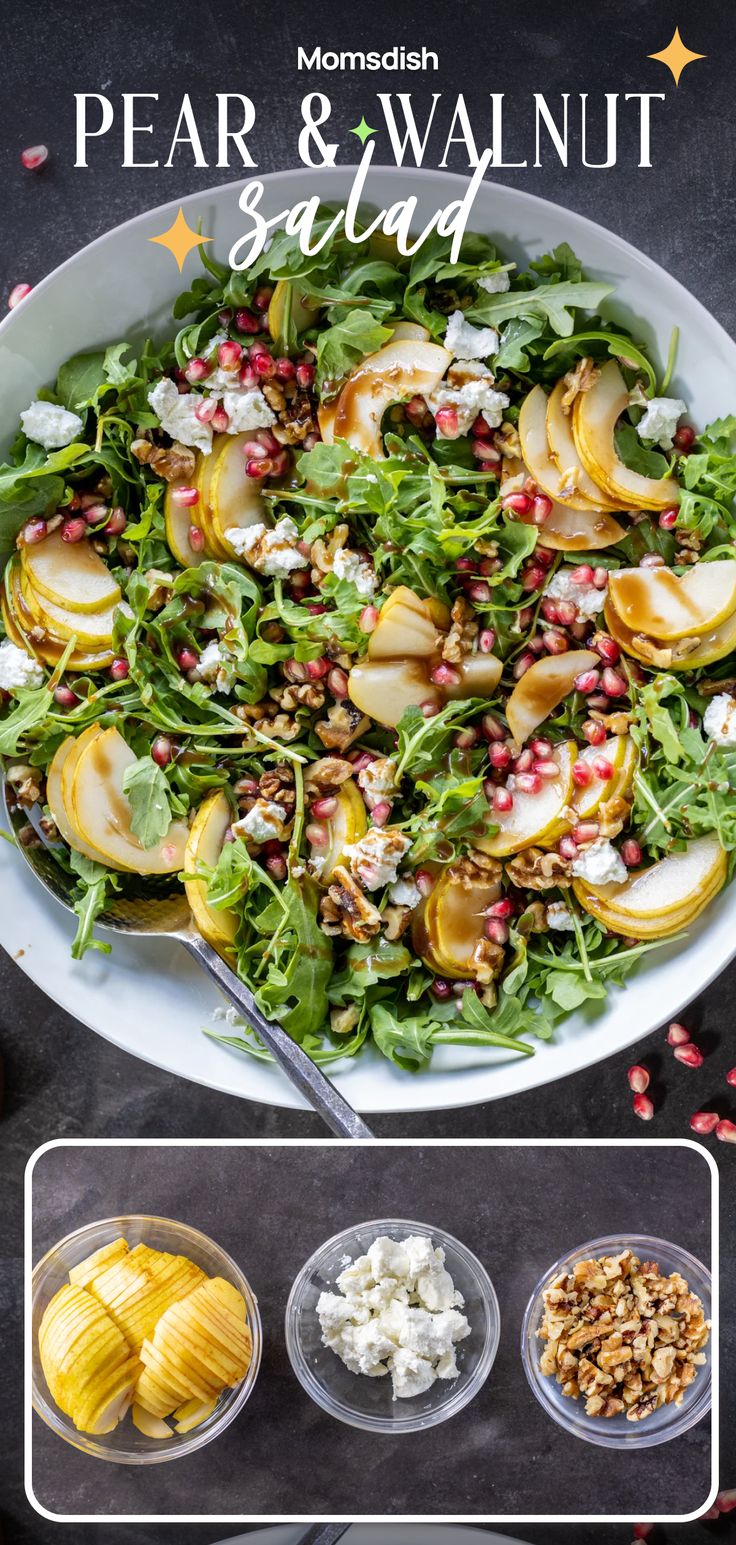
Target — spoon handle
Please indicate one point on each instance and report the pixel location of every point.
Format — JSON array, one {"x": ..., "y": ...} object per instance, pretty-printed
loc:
[
  {"x": 321, "y": 1093},
  {"x": 324, "y": 1534}
]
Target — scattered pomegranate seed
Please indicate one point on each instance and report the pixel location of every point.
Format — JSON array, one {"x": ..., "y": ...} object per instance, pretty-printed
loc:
[
  {"x": 568, "y": 847},
  {"x": 206, "y": 410},
  {"x": 503, "y": 908},
  {"x": 197, "y": 370},
  {"x": 533, "y": 577},
  {"x": 187, "y": 659},
  {"x": 643, "y": 1107},
  {"x": 17, "y": 294},
  {"x": 316, "y": 669},
  {"x": 381, "y": 812},
  {"x": 536, "y": 644},
  {"x": 446, "y": 420},
  {"x": 34, "y": 157},
  {"x": 479, "y": 592},
  {"x": 503, "y": 800},
  {"x": 247, "y": 322},
  {"x": 600, "y": 578},
  {"x": 445, "y": 676},
  {"x": 430, "y": 708},
  {"x": 258, "y": 466},
  {"x": 161, "y": 750},
  {"x": 304, "y": 374},
  {"x": 466, "y": 565},
  {"x": 602, "y": 768},
  {"x": 94, "y": 514},
  {"x": 368, "y": 619},
  {"x": 520, "y": 503},
  {"x": 630, "y": 852},
  {"x": 424, "y": 881},
  {"x": 276, "y": 866},
  {"x": 726, "y": 1132},
  {"x": 554, "y": 642},
  {"x": 607, "y": 648},
  {"x": 585, "y": 831},
  {"x": 613, "y": 683},
  {"x": 594, "y": 733},
  {"x": 582, "y": 774},
  {"x": 546, "y": 769},
  {"x": 691, "y": 1056},
  {"x": 196, "y": 539},
  {"x": 541, "y": 509},
  {"x": 229, "y": 354},
  {"x": 440, "y": 989},
  {"x": 486, "y": 640},
  {"x": 638, "y": 1078},
  {"x": 726, "y": 1501},
  {"x": 541, "y": 747},
  {"x": 262, "y": 297},
  {"x": 317, "y": 835},
  {"x": 285, "y": 369},
  {"x": 582, "y": 575},
  {"x": 64, "y": 696},
  {"x": 524, "y": 618},
  {"x": 225, "y": 316},
  {"x": 325, "y": 808},
  {"x": 492, "y": 728},
  {"x": 549, "y": 610},
  {"x": 677, "y": 1035},
  {"x": 185, "y": 496},
  {"x": 684, "y": 437},
  {"x": 705, "y": 1121},
  {"x": 464, "y": 740},
  {"x": 497, "y": 930},
  {"x": 220, "y": 421},
  {"x": 73, "y": 530},
  {"x": 499, "y": 756},
  {"x": 119, "y": 670},
  {"x": 34, "y": 531},
  {"x": 587, "y": 681},
  {"x": 523, "y": 762},
  {"x": 337, "y": 683},
  {"x": 521, "y": 666},
  {"x": 668, "y": 519},
  {"x": 529, "y": 782}
]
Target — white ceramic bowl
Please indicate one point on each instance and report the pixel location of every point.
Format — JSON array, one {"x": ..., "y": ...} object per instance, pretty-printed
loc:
[{"x": 148, "y": 997}]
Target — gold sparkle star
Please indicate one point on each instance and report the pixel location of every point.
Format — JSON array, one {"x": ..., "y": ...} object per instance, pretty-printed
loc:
[
  {"x": 180, "y": 239},
  {"x": 676, "y": 56}
]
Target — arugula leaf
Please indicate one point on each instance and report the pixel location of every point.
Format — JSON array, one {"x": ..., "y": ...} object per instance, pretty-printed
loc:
[
  {"x": 147, "y": 790},
  {"x": 554, "y": 303},
  {"x": 344, "y": 344},
  {"x": 88, "y": 906},
  {"x": 80, "y": 379},
  {"x": 31, "y": 708}
]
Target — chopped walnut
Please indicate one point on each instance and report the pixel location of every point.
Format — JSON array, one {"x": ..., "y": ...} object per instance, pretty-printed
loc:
[
  {"x": 661, "y": 655},
  {"x": 277, "y": 785},
  {"x": 344, "y": 724},
  {"x": 322, "y": 553},
  {"x": 537, "y": 870},
  {"x": 584, "y": 375},
  {"x": 458, "y": 643},
  {"x": 25, "y": 782},
  {"x": 346, "y": 909},
  {"x": 627, "y": 1338},
  {"x": 328, "y": 772},
  {"x": 176, "y": 462},
  {"x": 488, "y": 960},
  {"x": 396, "y": 920},
  {"x": 342, "y": 1021},
  {"x": 299, "y": 694},
  {"x": 618, "y": 723},
  {"x": 296, "y": 418},
  {"x": 612, "y": 815},
  {"x": 507, "y": 442}
]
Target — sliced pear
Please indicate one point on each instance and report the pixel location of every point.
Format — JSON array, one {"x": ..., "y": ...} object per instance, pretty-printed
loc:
[
  {"x": 384, "y": 689},
  {"x": 326, "y": 414},
  {"x": 85, "y": 1271},
  {"x": 158, "y": 1400},
  {"x": 546, "y": 683},
  {"x": 204, "y": 844},
  {"x": 150, "y": 1426},
  {"x": 449, "y": 926},
  {"x": 287, "y": 305},
  {"x": 405, "y": 627},
  {"x": 564, "y": 452},
  {"x": 104, "y": 1407},
  {"x": 662, "y": 896},
  {"x": 668, "y": 606},
  {"x": 479, "y": 677},
  {"x": 535, "y": 819},
  {"x": 621, "y": 752},
  {"x": 402, "y": 368},
  {"x": 679, "y": 655},
  {"x": 205, "y": 514},
  {"x": 178, "y": 521},
  {"x": 92, "y": 630},
  {"x": 427, "y": 606},
  {"x": 229, "y": 1295},
  {"x": 71, "y": 574},
  {"x": 413, "y": 330},
  {"x": 58, "y": 788},
  {"x": 595, "y": 416},
  {"x": 348, "y": 824},
  {"x": 48, "y": 649},
  {"x": 166, "y": 1354},
  {"x": 234, "y": 498},
  {"x": 553, "y": 480},
  {"x": 569, "y": 530},
  {"x": 643, "y": 928},
  {"x": 103, "y": 815},
  {"x": 193, "y": 1414}
]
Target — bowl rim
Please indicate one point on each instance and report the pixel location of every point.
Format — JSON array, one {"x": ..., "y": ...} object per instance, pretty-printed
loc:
[
  {"x": 456, "y": 1400},
  {"x": 183, "y": 1444},
  {"x": 639, "y": 1437}
]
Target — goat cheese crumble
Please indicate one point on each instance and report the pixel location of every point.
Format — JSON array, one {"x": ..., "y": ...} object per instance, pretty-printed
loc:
[
  {"x": 469, "y": 388},
  {"x": 177, "y": 415},
  {"x": 214, "y": 667},
  {"x": 660, "y": 420},
  {"x": 497, "y": 283},
  {"x": 404, "y": 892},
  {"x": 18, "y": 669},
  {"x": 51, "y": 426},
  {"x": 397, "y": 1312},
  {"x": 468, "y": 342},
  {"x": 375, "y": 859},
  {"x": 600, "y": 864},
  {"x": 349, "y": 565},
  {"x": 270, "y": 550},
  {"x": 719, "y": 720},
  {"x": 586, "y": 599},
  {"x": 263, "y": 823},
  {"x": 378, "y": 779},
  {"x": 559, "y": 916},
  {"x": 246, "y": 409}
]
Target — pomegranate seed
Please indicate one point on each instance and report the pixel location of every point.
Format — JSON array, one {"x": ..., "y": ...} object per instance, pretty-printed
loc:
[
  {"x": 162, "y": 750},
  {"x": 119, "y": 670},
  {"x": 554, "y": 642},
  {"x": 17, "y": 294},
  {"x": 304, "y": 374},
  {"x": 585, "y": 831},
  {"x": 705, "y": 1121},
  {"x": 549, "y": 610},
  {"x": 726, "y": 1501},
  {"x": 522, "y": 665},
  {"x": 541, "y": 509},
  {"x": 541, "y": 747},
  {"x": 195, "y": 536},
  {"x": 262, "y": 297},
  {"x": 317, "y": 836},
  {"x": 504, "y": 908},
  {"x": 34, "y": 531},
  {"x": 668, "y": 518},
  {"x": 117, "y": 522},
  {"x": 533, "y": 577},
  {"x": 445, "y": 676},
  {"x": 536, "y": 644},
  {"x": 35, "y": 156},
  {"x": 529, "y": 782},
  {"x": 690, "y": 1055},
  {"x": 630, "y": 852},
  {"x": 479, "y": 592},
  {"x": 94, "y": 514},
  {"x": 316, "y": 669},
  {"x": 642, "y": 1531},
  {"x": 480, "y": 428},
  {"x": 497, "y": 930},
  {"x": 440, "y": 989},
  {"x": 258, "y": 466},
  {"x": 595, "y": 734},
  {"x": 587, "y": 681},
  {"x": 600, "y": 578},
  {"x": 546, "y": 769},
  {"x": 185, "y": 496},
  {"x": 381, "y": 812},
  {"x": 607, "y": 648},
  {"x": 65, "y": 697},
  {"x": 247, "y": 321},
  {"x": 520, "y": 503},
  {"x": 264, "y": 364},
  {"x": 523, "y": 762},
  {"x": 229, "y": 355},
  {"x": 368, "y": 619},
  {"x": 466, "y": 565},
  {"x": 566, "y": 612},
  {"x": 466, "y": 739},
  {"x": 677, "y": 1035},
  {"x": 731, "y": 1077},
  {"x": 613, "y": 683},
  {"x": 285, "y": 370},
  {"x": 491, "y": 728},
  {"x": 430, "y": 707},
  {"x": 726, "y": 1133},
  {"x": 582, "y": 575},
  {"x": 225, "y": 316},
  {"x": 197, "y": 370},
  {"x": 479, "y": 449},
  {"x": 503, "y": 800},
  {"x": 568, "y": 847},
  {"x": 643, "y": 1107},
  {"x": 602, "y": 768},
  {"x": 499, "y": 757},
  {"x": 684, "y": 437},
  {"x": 325, "y": 808},
  {"x": 524, "y": 618},
  {"x": 582, "y": 774},
  {"x": 486, "y": 640},
  {"x": 220, "y": 420},
  {"x": 74, "y": 530},
  {"x": 638, "y": 1078},
  {"x": 447, "y": 423},
  {"x": 187, "y": 659},
  {"x": 652, "y": 561},
  {"x": 206, "y": 410},
  {"x": 337, "y": 683},
  {"x": 276, "y": 866}
]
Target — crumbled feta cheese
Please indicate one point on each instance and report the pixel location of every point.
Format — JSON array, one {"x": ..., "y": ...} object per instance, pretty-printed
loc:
[
  {"x": 719, "y": 720},
  {"x": 18, "y": 669},
  {"x": 495, "y": 284},
  {"x": 600, "y": 864},
  {"x": 177, "y": 415},
  {"x": 586, "y": 599},
  {"x": 263, "y": 822},
  {"x": 467, "y": 342},
  {"x": 375, "y": 859},
  {"x": 560, "y": 917},
  {"x": 270, "y": 550},
  {"x": 51, "y": 426},
  {"x": 349, "y": 565},
  {"x": 404, "y": 893},
  {"x": 246, "y": 410},
  {"x": 469, "y": 389},
  {"x": 378, "y": 779},
  {"x": 229, "y": 1014},
  {"x": 388, "y": 1318},
  {"x": 660, "y": 420}
]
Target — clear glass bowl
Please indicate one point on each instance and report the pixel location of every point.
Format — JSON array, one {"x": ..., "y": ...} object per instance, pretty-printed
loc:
[
  {"x": 367, "y": 1403},
  {"x": 669, "y": 1421},
  {"x": 127, "y": 1446}
]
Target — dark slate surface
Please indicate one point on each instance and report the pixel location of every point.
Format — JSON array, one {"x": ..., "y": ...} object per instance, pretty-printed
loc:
[{"x": 60, "y": 1079}]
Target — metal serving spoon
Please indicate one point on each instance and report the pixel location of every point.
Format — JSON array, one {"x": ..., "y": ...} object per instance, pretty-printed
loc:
[{"x": 156, "y": 907}]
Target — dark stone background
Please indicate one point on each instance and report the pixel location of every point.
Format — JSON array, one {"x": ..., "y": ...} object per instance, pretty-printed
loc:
[{"x": 60, "y": 1079}]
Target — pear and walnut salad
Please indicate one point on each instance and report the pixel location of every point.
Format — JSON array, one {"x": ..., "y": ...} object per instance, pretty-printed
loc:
[{"x": 391, "y": 605}]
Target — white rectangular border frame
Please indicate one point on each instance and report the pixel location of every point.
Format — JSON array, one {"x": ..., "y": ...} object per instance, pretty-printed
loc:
[{"x": 379, "y": 1518}]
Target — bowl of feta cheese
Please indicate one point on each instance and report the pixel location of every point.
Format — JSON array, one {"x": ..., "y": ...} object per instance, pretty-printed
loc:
[{"x": 392, "y": 1326}]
